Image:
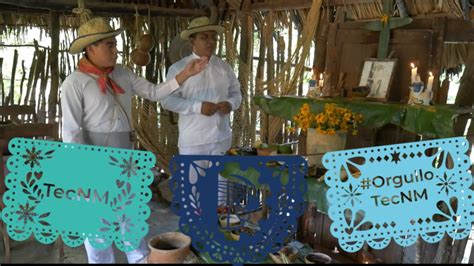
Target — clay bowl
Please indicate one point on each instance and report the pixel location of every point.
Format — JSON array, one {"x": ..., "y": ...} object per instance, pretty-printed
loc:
[
  {"x": 171, "y": 247},
  {"x": 317, "y": 258},
  {"x": 361, "y": 91}
]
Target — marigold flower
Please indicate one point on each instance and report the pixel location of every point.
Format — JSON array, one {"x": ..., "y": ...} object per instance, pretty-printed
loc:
[{"x": 329, "y": 121}]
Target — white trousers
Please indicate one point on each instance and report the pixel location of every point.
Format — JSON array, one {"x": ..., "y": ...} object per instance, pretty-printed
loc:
[
  {"x": 107, "y": 255},
  {"x": 217, "y": 148},
  {"x": 117, "y": 140}
]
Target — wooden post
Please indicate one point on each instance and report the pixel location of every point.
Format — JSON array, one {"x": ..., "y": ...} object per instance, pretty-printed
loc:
[
  {"x": 149, "y": 75},
  {"x": 271, "y": 62},
  {"x": 290, "y": 47},
  {"x": 321, "y": 44},
  {"x": 300, "y": 86},
  {"x": 1, "y": 81},
  {"x": 54, "y": 63},
  {"x": 42, "y": 95},
  {"x": 38, "y": 68},
  {"x": 22, "y": 80},
  {"x": 331, "y": 54},
  {"x": 61, "y": 249},
  {"x": 31, "y": 77},
  {"x": 439, "y": 26},
  {"x": 465, "y": 94},
  {"x": 457, "y": 253},
  {"x": 244, "y": 68},
  {"x": 9, "y": 99},
  {"x": 259, "y": 85},
  {"x": 442, "y": 95}
]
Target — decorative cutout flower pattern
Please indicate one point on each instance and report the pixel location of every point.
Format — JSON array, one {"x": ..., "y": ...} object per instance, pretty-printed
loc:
[
  {"x": 26, "y": 213},
  {"x": 33, "y": 156},
  {"x": 129, "y": 166},
  {"x": 446, "y": 183}
]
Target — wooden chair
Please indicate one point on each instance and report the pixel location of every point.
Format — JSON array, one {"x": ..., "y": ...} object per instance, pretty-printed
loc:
[{"x": 28, "y": 130}]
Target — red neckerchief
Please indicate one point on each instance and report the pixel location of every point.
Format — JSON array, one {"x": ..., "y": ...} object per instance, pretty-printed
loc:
[{"x": 87, "y": 67}]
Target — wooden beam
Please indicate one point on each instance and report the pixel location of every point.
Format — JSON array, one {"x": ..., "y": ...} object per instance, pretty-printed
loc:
[
  {"x": 345, "y": 2},
  {"x": 22, "y": 11},
  {"x": 457, "y": 30},
  {"x": 28, "y": 45},
  {"x": 105, "y": 7},
  {"x": 279, "y": 5}
]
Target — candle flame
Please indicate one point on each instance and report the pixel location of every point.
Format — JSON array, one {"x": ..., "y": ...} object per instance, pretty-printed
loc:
[
  {"x": 431, "y": 74},
  {"x": 321, "y": 76},
  {"x": 412, "y": 65}
]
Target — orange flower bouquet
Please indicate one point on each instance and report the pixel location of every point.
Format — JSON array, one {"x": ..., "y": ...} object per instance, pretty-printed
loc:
[{"x": 332, "y": 119}]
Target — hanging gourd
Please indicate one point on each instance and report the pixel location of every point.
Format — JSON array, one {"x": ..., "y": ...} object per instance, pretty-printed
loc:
[
  {"x": 140, "y": 58},
  {"x": 141, "y": 55},
  {"x": 146, "y": 43}
]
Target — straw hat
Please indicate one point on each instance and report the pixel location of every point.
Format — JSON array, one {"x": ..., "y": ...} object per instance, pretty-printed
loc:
[
  {"x": 200, "y": 24},
  {"x": 93, "y": 30}
]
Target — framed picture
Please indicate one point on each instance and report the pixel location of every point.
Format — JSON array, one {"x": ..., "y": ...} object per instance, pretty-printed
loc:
[{"x": 377, "y": 74}]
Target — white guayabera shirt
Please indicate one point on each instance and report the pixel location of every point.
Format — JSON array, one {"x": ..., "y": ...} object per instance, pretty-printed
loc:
[
  {"x": 91, "y": 117},
  {"x": 216, "y": 83}
]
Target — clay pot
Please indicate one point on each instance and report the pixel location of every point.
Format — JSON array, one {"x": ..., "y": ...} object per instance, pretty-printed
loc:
[
  {"x": 172, "y": 247},
  {"x": 140, "y": 58},
  {"x": 146, "y": 43}
]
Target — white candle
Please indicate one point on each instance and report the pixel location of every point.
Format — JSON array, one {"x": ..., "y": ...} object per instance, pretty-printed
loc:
[
  {"x": 414, "y": 72},
  {"x": 335, "y": 251},
  {"x": 417, "y": 79},
  {"x": 321, "y": 80},
  {"x": 429, "y": 85}
]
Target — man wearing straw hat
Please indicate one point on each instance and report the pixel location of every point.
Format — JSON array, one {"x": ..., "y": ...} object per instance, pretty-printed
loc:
[
  {"x": 205, "y": 100},
  {"x": 96, "y": 102}
]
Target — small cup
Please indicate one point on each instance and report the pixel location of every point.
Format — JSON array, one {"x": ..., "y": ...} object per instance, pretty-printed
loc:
[{"x": 317, "y": 258}]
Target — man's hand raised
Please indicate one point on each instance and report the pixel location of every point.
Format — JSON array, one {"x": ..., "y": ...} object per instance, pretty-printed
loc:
[{"x": 192, "y": 68}]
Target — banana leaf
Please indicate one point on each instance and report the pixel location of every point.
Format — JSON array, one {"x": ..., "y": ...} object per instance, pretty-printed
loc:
[
  {"x": 432, "y": 121},
  {"x": 232, "y": 171},
  {"x": 249, "y": 177}
]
